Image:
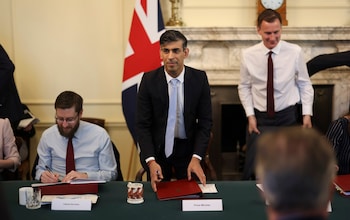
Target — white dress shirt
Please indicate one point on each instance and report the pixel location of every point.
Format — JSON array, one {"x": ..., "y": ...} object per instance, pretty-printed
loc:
[{"x": 291, "y": 80}]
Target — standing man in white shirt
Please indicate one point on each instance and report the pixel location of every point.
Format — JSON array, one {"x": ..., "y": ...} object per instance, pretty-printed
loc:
[{"x": 291, "y": 84}]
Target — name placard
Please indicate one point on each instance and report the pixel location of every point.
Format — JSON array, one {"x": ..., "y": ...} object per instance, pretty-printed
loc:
[
  {"x": 71, "y": 204},
  {"x": 202, "y": 205}
]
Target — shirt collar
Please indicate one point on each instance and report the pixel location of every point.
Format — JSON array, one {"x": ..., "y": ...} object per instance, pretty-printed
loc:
[
  {"x": 275, "y": 50},
  {"x": 180, "y": 77}
]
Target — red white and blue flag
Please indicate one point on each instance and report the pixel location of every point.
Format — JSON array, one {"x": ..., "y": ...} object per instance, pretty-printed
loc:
[{"x": 142, "y": 54}]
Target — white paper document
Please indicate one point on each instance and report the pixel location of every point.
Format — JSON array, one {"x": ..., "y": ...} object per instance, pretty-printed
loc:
[
  {"x": 202, "y": 205},
  {"x": 71, "y": 204},
  {"x": 86, "y": 181},
  {"x": 208, "y": 188},
  {"x": 74, "y": 181},
  {"x": 48, "y": 198}
]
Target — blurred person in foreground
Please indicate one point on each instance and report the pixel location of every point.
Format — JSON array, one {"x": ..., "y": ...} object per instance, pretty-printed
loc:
[
  {"x": 296, "y": 168},
  {"x": 92, "y": 148}
]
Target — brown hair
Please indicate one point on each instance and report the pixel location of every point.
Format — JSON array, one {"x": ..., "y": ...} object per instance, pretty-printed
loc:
[
  {"x": 171, "y": 36},
  {"x": 296, "y": 167},
  {"x": 269, "y": 16},
  {"x": 68, "y": 99}
]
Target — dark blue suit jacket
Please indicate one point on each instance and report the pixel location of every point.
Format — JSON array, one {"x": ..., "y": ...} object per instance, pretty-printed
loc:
[
  {"x": 10, "y": 103},
  {"x": 152, "y": 111}
]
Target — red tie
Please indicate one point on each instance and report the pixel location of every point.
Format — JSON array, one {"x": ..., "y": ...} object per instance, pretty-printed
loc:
[
  {"x": 70, "y": 164},
  {"x": 270, "y": 98}
]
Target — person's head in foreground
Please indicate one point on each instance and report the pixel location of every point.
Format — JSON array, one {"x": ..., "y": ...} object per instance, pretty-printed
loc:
[{"x": 296, "y": 167}]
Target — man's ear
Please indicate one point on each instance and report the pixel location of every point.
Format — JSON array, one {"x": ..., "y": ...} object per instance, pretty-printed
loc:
[
  {"x": 187, "y": 52},
  {"x": 258, "y": 30}
]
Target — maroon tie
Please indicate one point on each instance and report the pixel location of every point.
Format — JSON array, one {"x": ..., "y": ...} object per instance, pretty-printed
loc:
[
  {"x": 70, "y": 164},
  {"x": 270, "y": 98}
]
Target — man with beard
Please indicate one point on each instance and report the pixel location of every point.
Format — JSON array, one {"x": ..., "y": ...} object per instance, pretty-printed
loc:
[{"x": 93, "y": 150}]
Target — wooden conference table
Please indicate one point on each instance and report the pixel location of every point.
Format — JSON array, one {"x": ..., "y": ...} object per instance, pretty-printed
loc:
[{"x": 241, "y": 200}]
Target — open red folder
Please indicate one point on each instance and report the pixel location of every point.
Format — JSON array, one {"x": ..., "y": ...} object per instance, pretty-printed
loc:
[
  {"x": 342, "y": 184},
  {"x": 179, "y": 189}
]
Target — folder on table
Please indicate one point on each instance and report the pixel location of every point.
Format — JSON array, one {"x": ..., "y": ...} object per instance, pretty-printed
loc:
[
  {"x": 342, "y": 184},
  {"x": 64, "y": 189},
  {"x": 179, "y": 189}
]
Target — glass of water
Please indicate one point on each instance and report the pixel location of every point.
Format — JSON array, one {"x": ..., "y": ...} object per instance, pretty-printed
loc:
[{"x": 33, "y": 198}]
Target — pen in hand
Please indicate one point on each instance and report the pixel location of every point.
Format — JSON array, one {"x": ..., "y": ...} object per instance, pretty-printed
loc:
[{"x": 49, "y": 169}]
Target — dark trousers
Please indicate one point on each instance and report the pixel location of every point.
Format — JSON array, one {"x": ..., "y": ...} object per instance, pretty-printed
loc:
[
  {"x": 286, "y": 117},
  {"x": 175, "y": 166}
]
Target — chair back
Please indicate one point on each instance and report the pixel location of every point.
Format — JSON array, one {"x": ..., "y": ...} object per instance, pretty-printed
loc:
[{"x": 97, "y": 121}]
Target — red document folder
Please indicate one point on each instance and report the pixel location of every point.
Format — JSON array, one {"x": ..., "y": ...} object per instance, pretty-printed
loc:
[
  {"x": 64, "y": 189},
  {"x": 179, "y": 189},
  {"x": 342, "y": 184}
]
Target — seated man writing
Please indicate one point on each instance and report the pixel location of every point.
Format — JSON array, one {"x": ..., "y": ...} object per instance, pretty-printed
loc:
[{"x": 74, "y": 149}]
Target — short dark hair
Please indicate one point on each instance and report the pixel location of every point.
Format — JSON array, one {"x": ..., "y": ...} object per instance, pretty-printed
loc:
[
  {"x": 296, "y": 167},
  {"x": 269, "y": 16},
  {"x": 68, "y": 99},
  {"x": 171, "y": 36}
]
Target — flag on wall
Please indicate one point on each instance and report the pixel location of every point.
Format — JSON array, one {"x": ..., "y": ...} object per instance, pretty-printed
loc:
[{"x": 142, "y": 54}]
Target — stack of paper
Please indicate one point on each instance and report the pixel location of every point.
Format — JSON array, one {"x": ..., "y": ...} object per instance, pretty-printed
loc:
[{"x": 49, "y": 198}]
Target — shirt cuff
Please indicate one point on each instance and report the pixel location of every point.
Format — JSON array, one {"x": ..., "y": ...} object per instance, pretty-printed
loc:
[
  {"x": 307, "y": 110},
  {"x": 152, "y": 158},
  {"x": 149, "y": 159},
  {"x": 249, "y": 111},
  {"x": 197, "y": 156}
]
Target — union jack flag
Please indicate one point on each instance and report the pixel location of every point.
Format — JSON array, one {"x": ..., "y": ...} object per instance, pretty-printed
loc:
[{"x": 142, "y": 54}]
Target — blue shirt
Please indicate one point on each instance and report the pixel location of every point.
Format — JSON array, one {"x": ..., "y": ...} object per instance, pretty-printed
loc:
[{"x": 93, "y": 152}]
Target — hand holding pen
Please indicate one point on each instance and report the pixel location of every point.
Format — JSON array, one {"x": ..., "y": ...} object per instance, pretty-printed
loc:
[{"x": 49, "y": 176}]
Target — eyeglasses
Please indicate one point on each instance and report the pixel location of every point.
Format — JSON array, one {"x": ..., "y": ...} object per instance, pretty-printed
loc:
[{"x": 68, "y": 120}]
